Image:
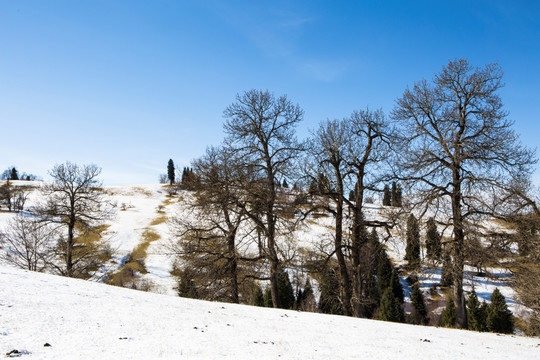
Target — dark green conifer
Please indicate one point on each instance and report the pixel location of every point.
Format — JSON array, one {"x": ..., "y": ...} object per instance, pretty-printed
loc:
[
  {"x": 447, "y": 278},
  {"x": 476, "y": 313},
  {"x": 390, "y": 308},
  {"x": 387, "y": 197},
  {"x": 170, "y": 171},
  {"x": 412, "y": 251},
  {"x": 397, "y": 289},
  {"x": 186, "y": 284},
  {"x": 258, "y": 297},
  {"x": 433, "y": 241},
  {"x": 285, "y": 290},
  {"x": 14, "y": 174},
  {"x": 448, "y": 316},
  {"x": 499, "y": 318},
  {"x": 268, "y": 298},
  {"x": 384, "y": 271},
  {"x": 418, "y": 308},
  {"x": 329, "y": 301}
]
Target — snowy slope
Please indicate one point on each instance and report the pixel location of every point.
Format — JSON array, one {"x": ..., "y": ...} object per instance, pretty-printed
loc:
[{"x": 86, "y": 320}]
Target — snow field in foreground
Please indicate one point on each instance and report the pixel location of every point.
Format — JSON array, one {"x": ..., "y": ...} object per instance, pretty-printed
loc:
[{"x": 86, "y": 320}]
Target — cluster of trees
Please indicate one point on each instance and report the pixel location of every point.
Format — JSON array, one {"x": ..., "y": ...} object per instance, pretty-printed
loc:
[
  {"x": 13, "y": 174},
  {"x": 458, "y": 158},
  {"x": 61, "y": 234}
]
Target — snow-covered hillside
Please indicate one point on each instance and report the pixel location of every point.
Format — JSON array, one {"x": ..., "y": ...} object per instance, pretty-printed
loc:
[{"x": 85, "y": 320}]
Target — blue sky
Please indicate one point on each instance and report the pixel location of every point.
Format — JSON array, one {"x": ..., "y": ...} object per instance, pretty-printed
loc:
[{"x": 129, "y": 84}]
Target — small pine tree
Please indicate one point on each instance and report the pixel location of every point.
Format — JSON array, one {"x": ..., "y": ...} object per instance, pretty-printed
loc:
[
  {"x": 258, "y": 296},
  {"x": 387, "y": 197},
  {"x": 412, "y": 251},
  {"x": 284, "y": 184},
  {"x": 447, "y": 278},
  {"x": 476, "y": 313},
  {"x": 170, "y": 171},
  {"x": 268, "y": 298},
  {"x": 352, "y": 195},
  {"x": 448, "y": 316},
  {"x": 418, "y": 308},
  {"x": 390, "y": 308},
  {"x": 306, "y": 298},
  {"x": 433, "y": 241},
  {"x": 372, "y": 295},
  {"x": 499, "y": 317}
]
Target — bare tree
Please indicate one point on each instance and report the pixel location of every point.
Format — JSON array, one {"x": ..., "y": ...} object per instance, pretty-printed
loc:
[
  {"x": 328, "y": 148},
  {"x": 261, "y": 129},
  {"x": 75, "y": 203},
  {"x": 208, "y": 239},
  {"x": 27, "y": 243},
  {"x": 457, "y": 145}
]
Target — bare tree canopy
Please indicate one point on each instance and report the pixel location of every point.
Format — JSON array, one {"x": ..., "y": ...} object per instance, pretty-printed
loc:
[
  {"x": 261, "y": 130},
  {"x": 458, "y": 146},
  {"x": 75, "y": 202}
]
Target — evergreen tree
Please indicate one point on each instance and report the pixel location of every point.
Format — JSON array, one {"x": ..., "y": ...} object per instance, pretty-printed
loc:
[
  {"x": 329, "y": 301},
  {"x": 285, "y": 185},
  {"x": 306, "y": 299},
  {"x": 412, "y": 251},
  {"x": 448, "y": 316},
  {"x": 476, "y": 313},
  {"x": 390, "y": 308},
  {"x": 258, "y": 296},
  {"x": 394, "y": 197},
  {"x": 399, "y": 196},
  {"x": 285, "y": 290},
  {"x": 499, "y": 317},
  {"x": 387, "y": 197},
  {"x": 384, "y": 271},
  {"x": 14, "y": 174},
  {"x": 352, "y": 195},
  {"x": 446, "y": 272},
  {"x": 372, "y": 295},
  {"x": 433, "y": 241},
  {"x": 268, "y": 298},
  {"x": 397, "y": 289},
  {"x": 186, "y": 285},
  {"x": 170, "y": 171},
  {"x": 418, "y": 309}
]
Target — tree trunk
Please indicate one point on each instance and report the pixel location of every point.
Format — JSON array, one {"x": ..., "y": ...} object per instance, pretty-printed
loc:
[
  {"x": 233, "y": 266},
  {"x": 457, "y": 253}
]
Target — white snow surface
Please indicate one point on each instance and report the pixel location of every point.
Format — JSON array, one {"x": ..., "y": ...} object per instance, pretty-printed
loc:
[{"x": 88, "y": 320}]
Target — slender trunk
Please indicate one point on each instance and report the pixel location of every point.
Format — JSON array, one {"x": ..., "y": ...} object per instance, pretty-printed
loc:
[
  {"x": 233, "y": 266},
  {"x": 356, "y": 246},
  {"x": 344, "y": 273},
  {"x": 457, "y": 253},
  {"x": 69, "y": 248}
]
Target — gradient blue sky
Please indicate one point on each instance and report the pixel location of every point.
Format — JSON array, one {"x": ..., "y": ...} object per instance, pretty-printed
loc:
[{"x": 129, "y": 84}]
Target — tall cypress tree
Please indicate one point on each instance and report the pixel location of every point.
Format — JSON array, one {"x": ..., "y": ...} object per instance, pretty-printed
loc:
[
  {"x": 397, "y": 289},
  {"x": 329, "y": 301},
  {"x": 499, "y": 317},
  {"x": 387, "y": 197},
  {"x": 394, "y": 194},
  {"x": 433, "y": 241},
  {"x": 170, "y": 171},
  {"x": 412, "y": 252}
]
